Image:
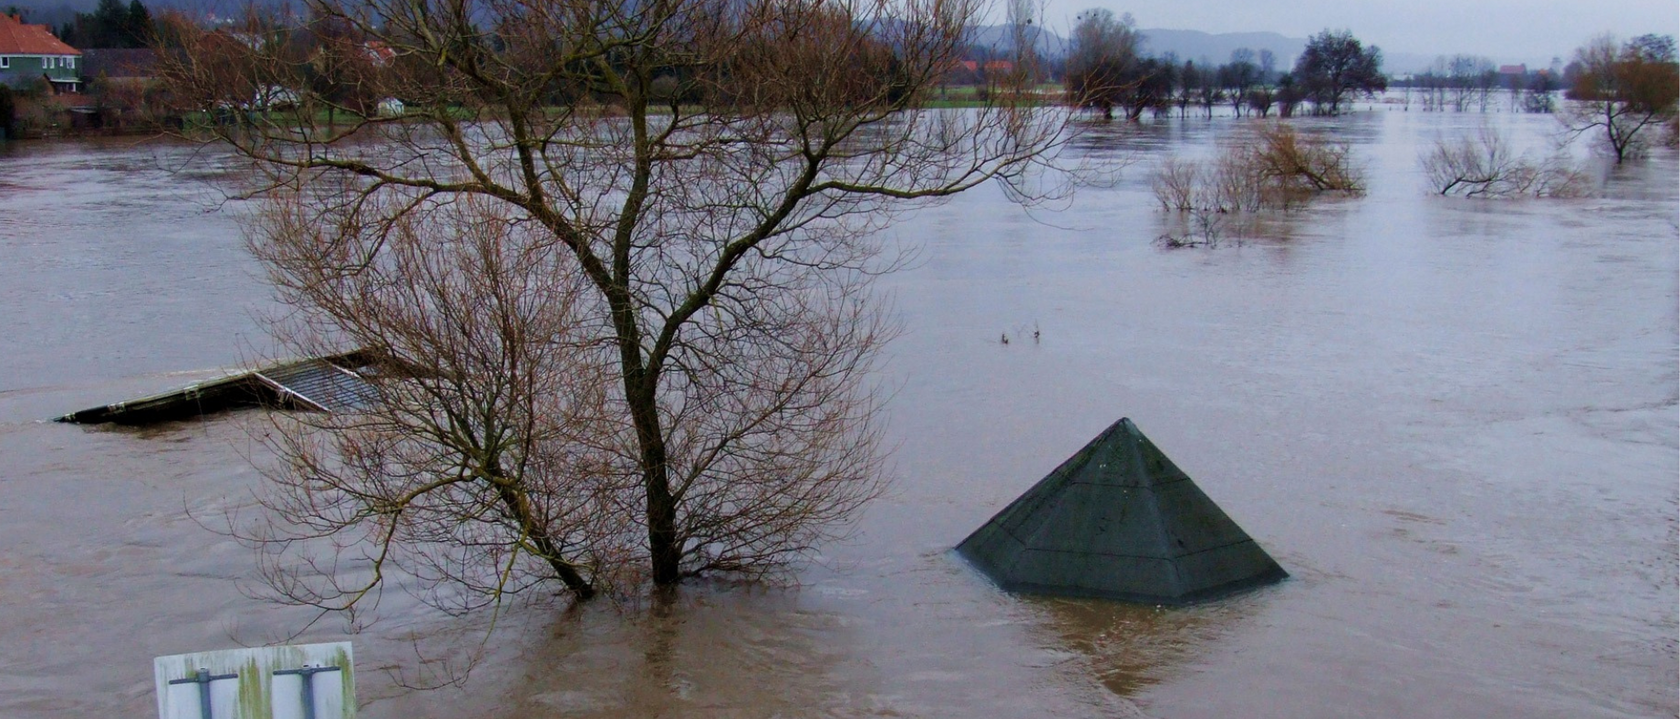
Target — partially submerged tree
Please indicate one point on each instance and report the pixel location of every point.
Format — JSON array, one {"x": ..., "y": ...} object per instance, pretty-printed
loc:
[
  {"x": 1104, "y": 63},
  {"x": 1621, "y": 92},
  {"x": 1334, "y": 68},
  {"x": 480, "y": 463},
  {"x": 1269, "y": 167},
  {"x": 1261, "y": 99},
  {"x": 613, "y": 259},
  {"x": 1537, "y": 96},
  {"x": 1289, "y": 95},
  {"x": 1484, "y": 165},
  {"x": 1239, "y": 78},
  {"x": 1471, "y": 79}
]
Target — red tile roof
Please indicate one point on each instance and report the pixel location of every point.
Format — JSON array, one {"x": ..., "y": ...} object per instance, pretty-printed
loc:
[{"x": 17, "y": 38}]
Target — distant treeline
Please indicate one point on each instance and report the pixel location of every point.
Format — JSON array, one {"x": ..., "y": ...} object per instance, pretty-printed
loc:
[{"x": 112, "y": 24}]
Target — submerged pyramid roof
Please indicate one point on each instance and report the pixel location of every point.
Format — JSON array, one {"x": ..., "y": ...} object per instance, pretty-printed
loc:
[{"x": 1119, "y": 520}]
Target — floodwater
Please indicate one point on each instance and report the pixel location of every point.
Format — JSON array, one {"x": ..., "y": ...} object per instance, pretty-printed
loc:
[{"x": 1453, "y": 421}]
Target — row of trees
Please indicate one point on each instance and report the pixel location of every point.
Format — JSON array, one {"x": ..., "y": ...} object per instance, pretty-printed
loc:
[
  {"x": 1465, "y": 82},
  {"x": 1107, "y": 70}
]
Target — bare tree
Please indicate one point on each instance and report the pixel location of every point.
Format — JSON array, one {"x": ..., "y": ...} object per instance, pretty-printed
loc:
[
  {"x": 1239, "y": 77},
  {"x": 1469, "y": 76},
  {"x": 703, "y": 177},
  {"x": 1335, "y": 68},
  {"x": 1292, "y": 166},
  {"x": 1268, "y": 66},
  {"x": 1103, "y": 61},
  {"x": 1174, "y": 184},
  {"x": 1260, "y": 99},
  {"x": 1623, "y": 91},
  {"x": 1188, "y": 78},
  {"x": 1537, "y": 96},
  {"x": 479, "y": 467},
  {"x": 1484, "y": 165},
  {"x": 1271, "y": 167}
]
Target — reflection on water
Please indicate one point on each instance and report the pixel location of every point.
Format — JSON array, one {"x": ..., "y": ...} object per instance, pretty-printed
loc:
[
  {"x": 1132, "y": 646},
  {"x": 1454, "y": 423},
  {"x": 702, "y": 653}
]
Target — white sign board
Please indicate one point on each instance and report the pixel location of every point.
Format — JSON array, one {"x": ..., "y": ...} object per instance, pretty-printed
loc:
[{"x": 306, "y": 681}]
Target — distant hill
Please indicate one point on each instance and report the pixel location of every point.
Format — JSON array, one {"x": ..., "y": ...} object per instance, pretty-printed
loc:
[{"x": 1001, "y": 39}]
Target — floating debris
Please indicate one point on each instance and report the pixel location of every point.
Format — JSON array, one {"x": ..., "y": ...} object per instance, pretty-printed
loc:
[
  {"x": 1119, "y": 521},
  {"x": 333, "y": 383}
]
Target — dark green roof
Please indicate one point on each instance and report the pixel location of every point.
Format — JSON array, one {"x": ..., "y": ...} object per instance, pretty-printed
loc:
[{"x": 1119, "y": 520}]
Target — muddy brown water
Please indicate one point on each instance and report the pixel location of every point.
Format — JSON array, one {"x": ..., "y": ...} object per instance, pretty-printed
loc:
[{"x": 1454, "y": 422}]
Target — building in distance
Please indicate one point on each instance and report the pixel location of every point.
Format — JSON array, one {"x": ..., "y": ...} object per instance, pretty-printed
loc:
[{"x": 31, "y": 53}]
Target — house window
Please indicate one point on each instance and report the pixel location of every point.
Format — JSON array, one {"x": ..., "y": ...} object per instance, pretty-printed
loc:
[{"x": 5, "y": 62}]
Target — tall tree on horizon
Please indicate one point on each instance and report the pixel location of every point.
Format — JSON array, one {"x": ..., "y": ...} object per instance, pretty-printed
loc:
[
  {"x": 1335, "y": 67},
  {"x": 1104, "y": 60},
  {"x": 137, "y": 25}
]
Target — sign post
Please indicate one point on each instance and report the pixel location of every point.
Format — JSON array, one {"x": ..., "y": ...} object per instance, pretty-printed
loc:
[{"x": 305, "y": 681}]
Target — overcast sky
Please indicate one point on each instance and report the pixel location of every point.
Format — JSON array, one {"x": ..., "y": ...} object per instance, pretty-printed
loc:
[{"x": 1511, "y": 30}]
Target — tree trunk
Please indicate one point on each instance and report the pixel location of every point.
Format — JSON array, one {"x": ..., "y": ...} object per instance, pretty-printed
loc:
[
  {"x": 664, "y": 550},
  {"x": 641, "y": 394}
]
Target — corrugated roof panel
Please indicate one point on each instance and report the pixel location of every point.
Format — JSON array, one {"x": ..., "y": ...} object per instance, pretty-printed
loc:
[{"x": 322, "y": 384}]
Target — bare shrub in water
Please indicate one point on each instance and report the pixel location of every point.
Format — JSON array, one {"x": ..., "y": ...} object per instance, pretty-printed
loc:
[
  {"x": 704, "y": 177},
  {"x": 1273, "y": 167},
  {"x": 1175, "y": 184},
  {"x": 1197, "y": 227},
  {"x": 1290, "y": 167},
  {"x": 1484, "y": 165}
]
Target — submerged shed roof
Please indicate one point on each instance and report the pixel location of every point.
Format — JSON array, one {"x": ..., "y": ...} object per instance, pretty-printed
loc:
[
  {"x": 329, "y": 384},
  {"x": 1119, "y": 520}
]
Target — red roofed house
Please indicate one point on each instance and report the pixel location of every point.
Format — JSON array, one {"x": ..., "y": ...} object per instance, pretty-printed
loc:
[{"x": 29, "y": 53}]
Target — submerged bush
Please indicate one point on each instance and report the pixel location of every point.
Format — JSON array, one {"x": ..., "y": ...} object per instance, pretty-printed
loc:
[
  {"x": 1484, "y": 165},
  {"x": 1274, "y": 167},
  {"x": 1175, "y": 184}
]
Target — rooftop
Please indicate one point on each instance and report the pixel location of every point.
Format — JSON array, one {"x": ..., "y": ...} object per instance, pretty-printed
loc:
[{"x": 18, "y": 38}]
